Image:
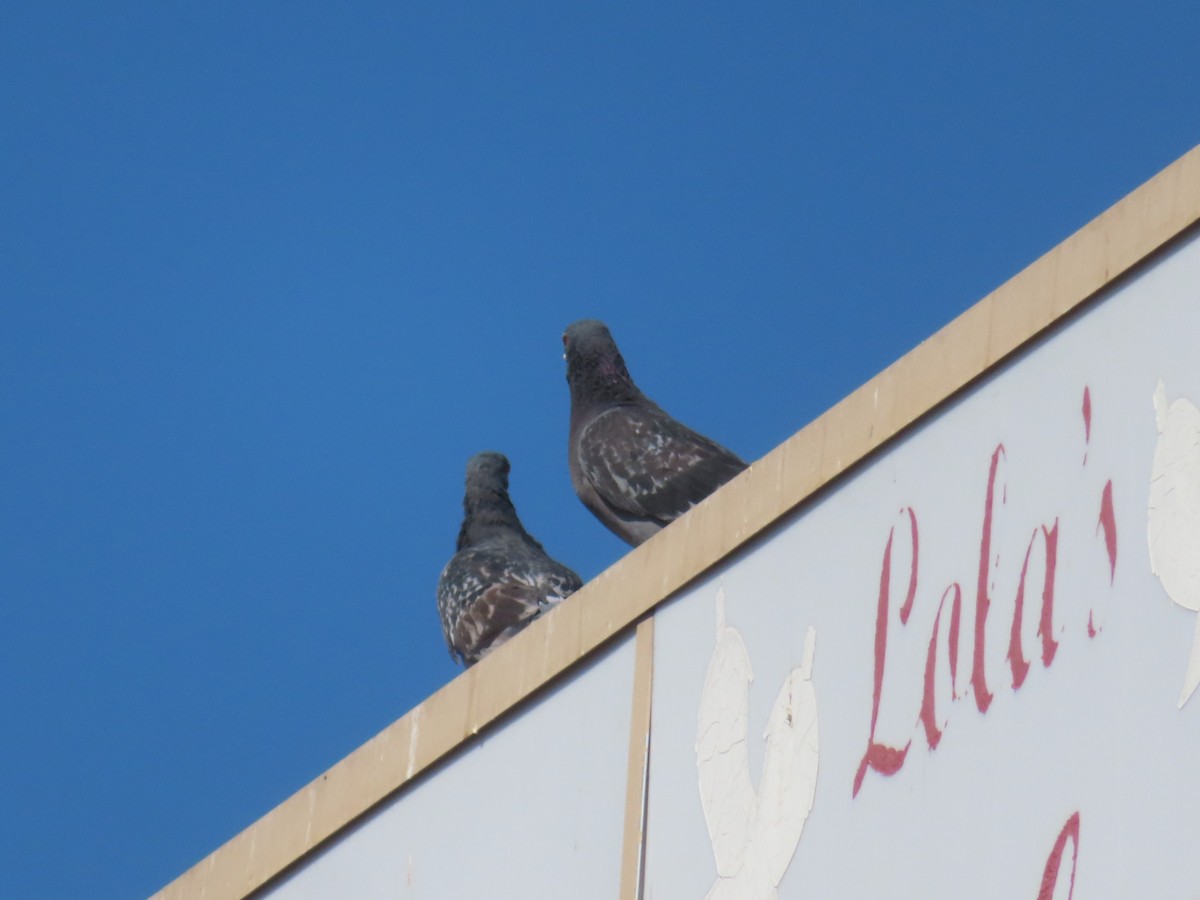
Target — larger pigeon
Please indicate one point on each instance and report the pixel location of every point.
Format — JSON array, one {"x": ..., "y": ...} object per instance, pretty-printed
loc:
[
  {"x": 500, "y": 579},
  {"x": 632, "y": 465}
]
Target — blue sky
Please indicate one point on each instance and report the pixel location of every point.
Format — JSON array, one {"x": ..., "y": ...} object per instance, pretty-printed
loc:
[{"x": 273, "y": 272}]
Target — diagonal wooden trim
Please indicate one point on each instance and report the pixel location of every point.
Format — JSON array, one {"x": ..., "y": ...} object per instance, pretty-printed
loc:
[
  {"x": 1009, "y": 317},
  {"x": 633, "y": 850}
]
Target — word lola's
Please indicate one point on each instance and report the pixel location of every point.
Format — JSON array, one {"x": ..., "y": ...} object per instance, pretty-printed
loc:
[{"x": 887, "y": 757}]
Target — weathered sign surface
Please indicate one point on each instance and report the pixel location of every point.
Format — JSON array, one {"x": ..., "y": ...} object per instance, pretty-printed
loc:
[{"x": 1002, "y": 682}]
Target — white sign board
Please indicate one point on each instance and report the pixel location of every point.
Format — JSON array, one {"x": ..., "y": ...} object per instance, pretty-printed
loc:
[
  {"x": 960, "y": 672},
  {"x": 534, "y": 809}
]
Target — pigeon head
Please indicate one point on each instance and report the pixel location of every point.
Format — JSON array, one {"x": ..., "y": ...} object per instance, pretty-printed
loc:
[
  {"x": 488, "y": 470},
  {"x": 487, "y": 509},
  {"x": 596, "y": 371}
]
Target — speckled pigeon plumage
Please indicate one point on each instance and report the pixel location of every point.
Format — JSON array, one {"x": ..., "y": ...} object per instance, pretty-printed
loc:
[
  {"x": 500, "y": 579},
  {"x": 632, "y": 465}
]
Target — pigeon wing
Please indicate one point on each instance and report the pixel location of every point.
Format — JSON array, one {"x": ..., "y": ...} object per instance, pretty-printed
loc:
[
  {"x": 486, "y": 597},
  {"x": 643, "y": 462}
]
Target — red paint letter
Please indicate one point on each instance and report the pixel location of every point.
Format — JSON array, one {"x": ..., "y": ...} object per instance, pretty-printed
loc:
[
  {"x": 1108, "y": 521},
  {"x": 1016, "y": 654},
  {"x": 1050, "y": 873},
  {"x": 1087, "y": 420},
  {"x": 933, "y": 734},
  {"x": 906, "y": 609},
  {"x": 882, "y": 758},
  {"x": 983, "y": 697},
  {"x": 955, "y": 618},
  {"x": 1046, "y": 624}
]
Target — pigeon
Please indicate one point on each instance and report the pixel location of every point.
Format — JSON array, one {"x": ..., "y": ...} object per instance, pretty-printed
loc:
[
  {"x": 500, "y": 579},
  {"x": 632, "y": 465}
]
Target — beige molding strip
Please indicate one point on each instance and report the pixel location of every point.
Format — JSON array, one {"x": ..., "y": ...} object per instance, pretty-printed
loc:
[
  {"x": 1004, "y": 320},
  {"x": 633, "y": 845}
]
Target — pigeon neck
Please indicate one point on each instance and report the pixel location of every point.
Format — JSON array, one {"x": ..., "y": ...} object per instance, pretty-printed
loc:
[
  {"x": 488, "y": 513},
  {"x": 605, "y": 383}
]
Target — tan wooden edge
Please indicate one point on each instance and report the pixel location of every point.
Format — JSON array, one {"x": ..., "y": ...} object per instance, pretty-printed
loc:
[
  {"x": 633, "y": 840},
  {"x": 1004, "y": 320}
]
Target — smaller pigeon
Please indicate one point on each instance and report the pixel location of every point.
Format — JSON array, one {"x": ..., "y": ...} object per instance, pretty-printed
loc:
[
  {"x": 632, "y": 465},
  {"x": 500, "y": 579}
]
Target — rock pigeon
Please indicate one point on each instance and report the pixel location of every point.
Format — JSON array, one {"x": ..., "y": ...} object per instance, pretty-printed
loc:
[
  {"x": 632, "y": 465},
  {"x": 500, "y": 579}
]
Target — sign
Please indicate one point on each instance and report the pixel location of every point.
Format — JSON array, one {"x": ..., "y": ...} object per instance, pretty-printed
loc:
[{"x": 1003, "y": 685}]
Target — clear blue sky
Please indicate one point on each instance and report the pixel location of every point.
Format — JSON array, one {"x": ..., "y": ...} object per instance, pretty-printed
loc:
[{"x": 272, "y": 272}]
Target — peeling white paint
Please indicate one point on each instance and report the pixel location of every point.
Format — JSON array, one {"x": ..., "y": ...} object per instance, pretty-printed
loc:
[
  {"x": 754, "y": 833},
  {"x": 1173, "y": 517},
  {"x": 722, "y": 757}
]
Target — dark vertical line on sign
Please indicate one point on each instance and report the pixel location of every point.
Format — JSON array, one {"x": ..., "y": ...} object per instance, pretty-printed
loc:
[{"x": 633, "y": 845}]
